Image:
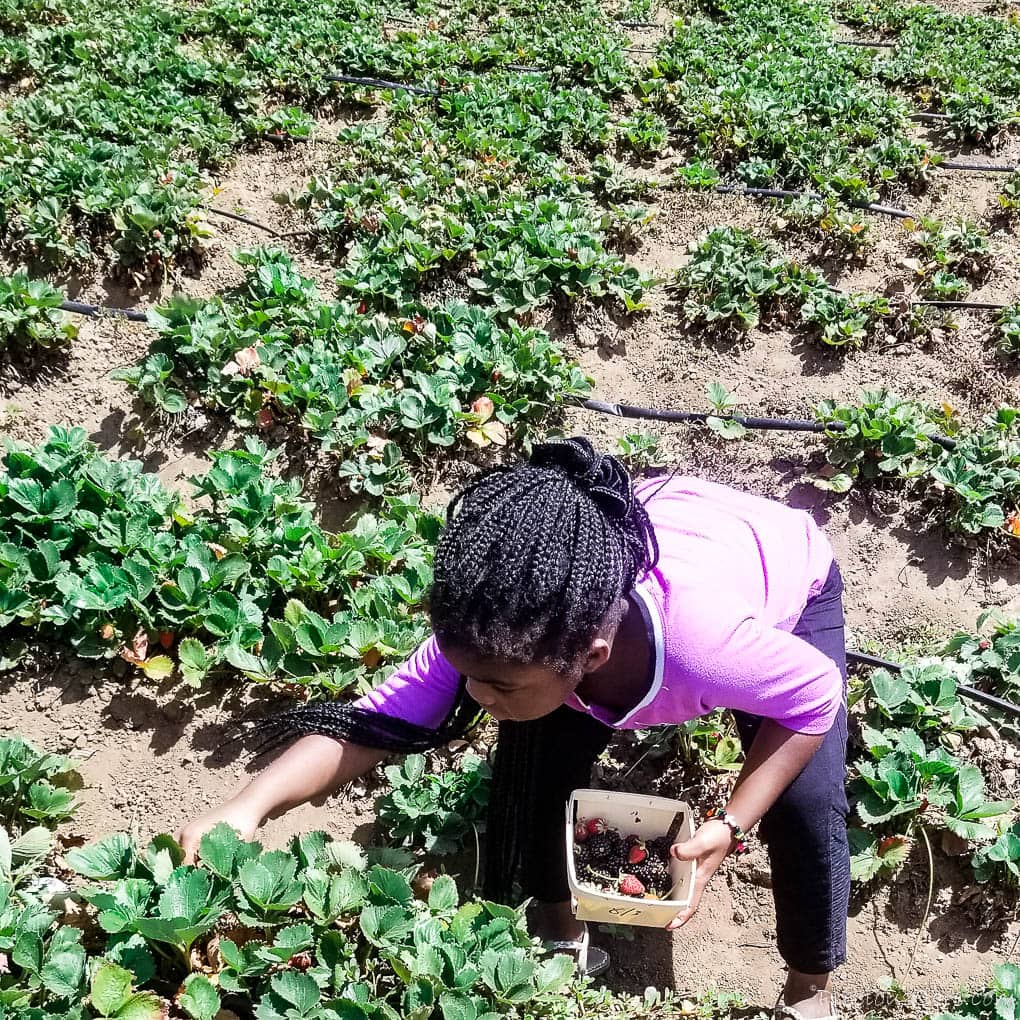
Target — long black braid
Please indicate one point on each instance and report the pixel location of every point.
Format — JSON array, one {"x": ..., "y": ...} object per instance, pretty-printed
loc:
[{"x": 533, "y": 561}]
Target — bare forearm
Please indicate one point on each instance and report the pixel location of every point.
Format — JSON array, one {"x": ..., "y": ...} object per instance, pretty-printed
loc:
[
  {"x": 776, "y": 757},
  {"x": 311, "y": 767}
]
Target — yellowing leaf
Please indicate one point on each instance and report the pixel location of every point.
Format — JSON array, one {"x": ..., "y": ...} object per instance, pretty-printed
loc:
[
  {"x": 247, "y": 359},
  {"x": 159, "y": 667},
  {"x": 496, "y": 433}
]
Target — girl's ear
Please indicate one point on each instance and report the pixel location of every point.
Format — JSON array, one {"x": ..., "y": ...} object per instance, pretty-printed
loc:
[{"x": 597, "y": 655}]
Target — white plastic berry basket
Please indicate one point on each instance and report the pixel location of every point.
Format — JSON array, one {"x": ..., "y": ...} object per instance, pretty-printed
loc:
[{"x": 647, "y": 817}]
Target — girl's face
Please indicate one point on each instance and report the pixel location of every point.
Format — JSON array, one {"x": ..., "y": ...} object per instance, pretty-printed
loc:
[{"x": 518, "y": 693}]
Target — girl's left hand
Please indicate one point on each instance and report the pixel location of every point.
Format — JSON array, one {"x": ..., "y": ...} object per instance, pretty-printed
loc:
[{"x": 708, "y": 847}]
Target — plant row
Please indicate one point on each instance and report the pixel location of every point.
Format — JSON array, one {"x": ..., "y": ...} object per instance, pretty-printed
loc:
[
  {"x": 104, "y": 150},
  {"x": 371, "y": 387},
  {"x": 320, "y": 930},
  {"x": 964, "y": 65},
  {"x": 972, "y": 486},
  {"x": 479, "y": 190},
  {"x": 812, "y": 114},
  {"x": 819, "y": 112},
  {"x": 98, "y": 557},
  {"x": 734, "y": 280}
]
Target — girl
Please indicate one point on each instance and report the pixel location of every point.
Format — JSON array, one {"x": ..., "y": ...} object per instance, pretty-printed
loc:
[{"x": 567, "y": 603}]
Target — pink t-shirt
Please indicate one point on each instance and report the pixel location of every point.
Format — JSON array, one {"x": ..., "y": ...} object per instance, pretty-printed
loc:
[{"x": 735, "y": 572}]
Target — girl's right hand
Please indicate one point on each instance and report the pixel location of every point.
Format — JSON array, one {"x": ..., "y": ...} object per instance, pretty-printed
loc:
[{"x": 236, "y": 814}]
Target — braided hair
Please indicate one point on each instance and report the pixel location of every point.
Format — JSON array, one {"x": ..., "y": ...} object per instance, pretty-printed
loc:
[{"x": 536, "y": 557}]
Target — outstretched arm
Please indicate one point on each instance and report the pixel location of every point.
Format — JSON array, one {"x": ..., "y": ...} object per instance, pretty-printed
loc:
[
  {"x": 309, "y": 768},
  {"x": 422, "y": 691}
]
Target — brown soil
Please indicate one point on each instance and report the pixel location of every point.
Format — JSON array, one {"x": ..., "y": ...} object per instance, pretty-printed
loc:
[{"x": 152, "y": 757}]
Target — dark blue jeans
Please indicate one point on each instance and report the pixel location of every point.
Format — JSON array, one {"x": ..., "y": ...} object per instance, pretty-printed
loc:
[{"x": 805, "y": 830}]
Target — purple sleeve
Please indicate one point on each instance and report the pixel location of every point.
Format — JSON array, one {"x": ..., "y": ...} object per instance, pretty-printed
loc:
[
  {"x": 422, "y": 691},
  {"x": 765, "y": 671}
]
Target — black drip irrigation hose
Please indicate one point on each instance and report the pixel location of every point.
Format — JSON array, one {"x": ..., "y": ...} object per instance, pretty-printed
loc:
[
  {"x": 254, "y": 223},
  {"x": 873, "y": 662},
  {"x": 732, "y": 189},
  {"x": 925, "y": 115},
  {"x": 989, "y": 168},
  {"x": 641, "y": 24},
  {"x": 101, "y": 311},
  {"x": 701, "y": 417},
  {"x": 382, "y": 83},
  {"x": 988, "y": 306}
]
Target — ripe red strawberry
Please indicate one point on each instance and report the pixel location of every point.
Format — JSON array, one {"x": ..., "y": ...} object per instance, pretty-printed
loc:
[
  {"x": 580, "y": 832},
  {"x": 637, "y": 854},
  {"x": 594, "y": 825},
  {"x": 984, "y": 644},
  {"x": 630, "y": 886},
  {"x": 889, "y": 843}
]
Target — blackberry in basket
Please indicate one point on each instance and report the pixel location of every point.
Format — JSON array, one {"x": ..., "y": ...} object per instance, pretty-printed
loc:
[
  {"x": 606, "y": 850},
  {"x": 606, "y": 859},
  {"x": 653, "y": 874}
]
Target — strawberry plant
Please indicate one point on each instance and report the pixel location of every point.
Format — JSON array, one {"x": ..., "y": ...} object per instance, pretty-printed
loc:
[
  {"x": 902, "y": 784},
  {"x": 962, "y": 247},
  {"x": 733, "y": 278},
  {"x": 639, "y": 450},
  {"x": 724, "y": 403},
  {"x": 881, "y": 435},
  {"x": 1000, "y": 861},
  {"x": 977, "y": 481},
  {"x": 1009, "y": 197},
  {"x": 999, "y": 1001},
  {"x": 104, "y": 158},
  {"x": 919, "y": 697},
  {"x": 30, "y": 314},
  {"x": 711, "y": 742},
  {"x": 839, "y": 229},
  {"x": 945, "y": 285},
  {"x": 1008, "y": 323},
  {"x": 35, "y": 788},
  {"x": 644, "y": 132},
  {"x": 992, "y": 655},
  {"x": 438, "y": 812}
]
